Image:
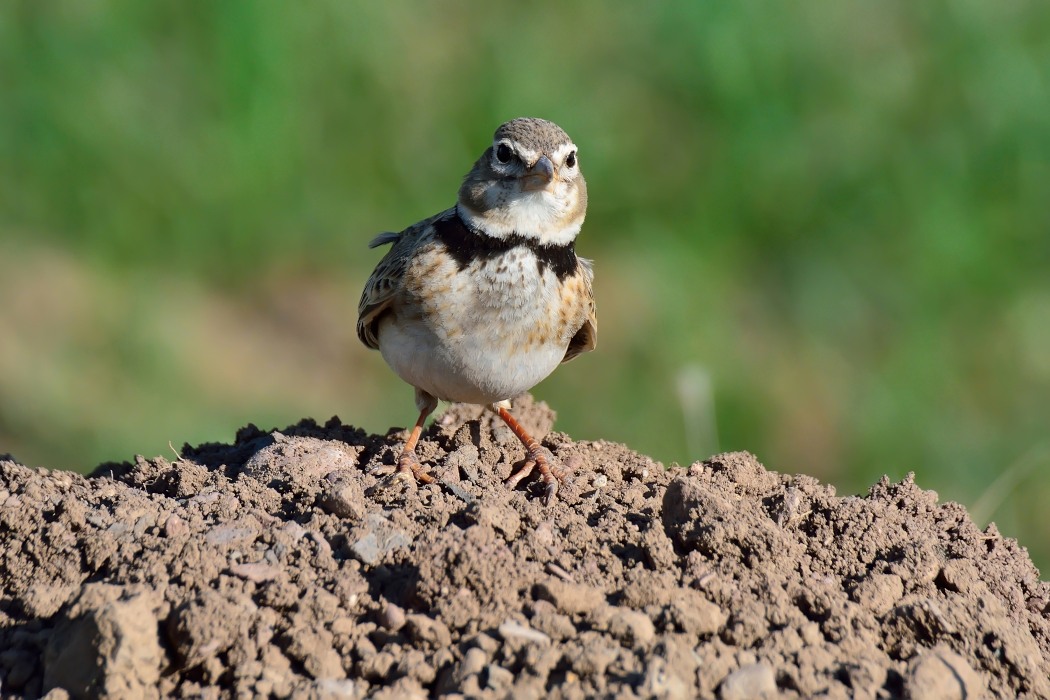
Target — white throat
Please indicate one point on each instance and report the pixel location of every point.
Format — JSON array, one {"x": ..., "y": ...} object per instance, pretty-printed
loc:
[{"x": 538, "y": 215}]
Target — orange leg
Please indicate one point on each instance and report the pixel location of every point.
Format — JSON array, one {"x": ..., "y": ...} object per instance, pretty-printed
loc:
[
  {"x": 407, "y": 464},
  {"x": 535, "y": 458}
]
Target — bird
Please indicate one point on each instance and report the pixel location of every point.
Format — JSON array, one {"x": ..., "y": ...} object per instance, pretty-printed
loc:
[{"x": 480, "y": 302}]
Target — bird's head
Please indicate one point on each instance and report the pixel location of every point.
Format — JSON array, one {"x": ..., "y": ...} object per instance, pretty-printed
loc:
[{"x": 528, "y": 182}]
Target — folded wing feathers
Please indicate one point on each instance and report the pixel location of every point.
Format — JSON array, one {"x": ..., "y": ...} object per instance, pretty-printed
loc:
[{"x": 383, "y": 239}]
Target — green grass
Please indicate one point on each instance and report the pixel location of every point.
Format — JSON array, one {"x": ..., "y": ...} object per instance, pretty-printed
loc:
[{"x": 834, "y": 214}]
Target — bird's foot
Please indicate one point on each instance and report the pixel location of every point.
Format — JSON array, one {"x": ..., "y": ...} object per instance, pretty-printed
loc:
[
  {"x": 407, "y": 471},
  {"x": 537, "y": 460}
]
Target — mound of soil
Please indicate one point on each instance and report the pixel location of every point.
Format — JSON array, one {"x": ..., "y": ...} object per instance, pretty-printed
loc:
[{"x": 282, "y": 566}]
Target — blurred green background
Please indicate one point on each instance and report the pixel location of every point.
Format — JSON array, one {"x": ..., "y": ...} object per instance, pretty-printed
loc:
[{"x": 821, "y": 231}]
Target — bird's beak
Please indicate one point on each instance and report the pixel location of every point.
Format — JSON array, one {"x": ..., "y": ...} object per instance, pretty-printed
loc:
[{"x": 539, "y": 175}]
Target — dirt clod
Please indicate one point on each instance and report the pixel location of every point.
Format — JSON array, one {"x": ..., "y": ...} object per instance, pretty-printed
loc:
[
  {"x": 117, "y": 633},
  {"x": 941, "y": 674},
  {"x": 281, "y": 566}
]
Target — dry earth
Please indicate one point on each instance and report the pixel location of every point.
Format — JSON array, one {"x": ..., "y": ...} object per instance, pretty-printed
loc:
[{"x": 280, "y": 566}]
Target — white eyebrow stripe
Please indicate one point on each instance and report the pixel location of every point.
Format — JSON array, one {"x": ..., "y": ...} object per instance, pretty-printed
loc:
[{"x": 562, "y": 152}]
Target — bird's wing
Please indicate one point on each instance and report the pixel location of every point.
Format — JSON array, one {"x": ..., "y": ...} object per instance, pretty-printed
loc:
[
  {"x": 587, "y": 337},
  {"x": 386, "y": 280}
]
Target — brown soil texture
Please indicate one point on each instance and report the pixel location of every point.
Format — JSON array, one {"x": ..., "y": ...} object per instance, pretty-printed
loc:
[{"x": 282, "y": 566}]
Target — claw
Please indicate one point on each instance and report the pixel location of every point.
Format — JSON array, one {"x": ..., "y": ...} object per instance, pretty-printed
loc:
[
  {"x": 536, "y": 458},
  {"x": 399, "y": 478},
  {"x": 409, "y": 468},
  {"x": 382, "y": 470},
  {"x": 514, "y": 479},
  {"x": 549, "y": 476},
  {"x": 407, "y": 472},
  {"x": 550, "y": 492}
]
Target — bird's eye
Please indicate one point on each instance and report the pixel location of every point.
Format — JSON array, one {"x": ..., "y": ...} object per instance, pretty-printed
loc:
[
  {"x": 570, "y": 160},
  {"x": 503, "y": 153}
]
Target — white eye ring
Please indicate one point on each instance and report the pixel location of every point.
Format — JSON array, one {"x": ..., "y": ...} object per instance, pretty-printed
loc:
[{"x": 504, "y": 153}]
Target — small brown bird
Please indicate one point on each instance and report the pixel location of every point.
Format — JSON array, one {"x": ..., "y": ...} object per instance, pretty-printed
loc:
[{"x": 483, "y": 301}]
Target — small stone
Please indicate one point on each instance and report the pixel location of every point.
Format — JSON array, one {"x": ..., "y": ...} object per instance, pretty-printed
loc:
[
  {"x": 865, "y": 676},
  {"x": 404, "y": 688},
  {"x": 593, "y": 660},
  {"x": 543, "y": 534},
  {"x": 941, "y": 674},
  {"x": 324, "y": 549},
  {"x": 515, "y": 630},
  {"x": 569, "y": 598},
  {"x": 343, "y": 497},
  {"x": 957, "y": 575},
  {"x": 487, "y": 644},
  {"x": 240, "y": 532},
  {"x": 659, "y": 552},
  {"x": 552, "y": 623},
  {"x": 333, "y": 689},
  {"x": 662, "y": 682},
  {"x": 294, "y": 530},
  {"x": 879, "y": 593},
  {"x": 392, "y": 618},
  {"x": 498, "y": 678},
  {"x": 464, "y": 457},
  {"x": 461, "y": 678},
  {"x": 413, "y": 663},
  {"x": 749, "y": 682},
  {"x": 257, "y": 572},
  {"x": 426, "y": 630},
  {"x": 376, "y": 668},
  {"x": 276, "y": 668},
  {"x": 175, "y": 526},
  {"x": 695, "y": 614},
  {"x": 631, "y": 627},
  {"x": 442, "y": 658},
  {"x": 811, "y": 634},
  {"x": 473, "y": 661},
  {"x": 316, "y": 654},
  {"x": 205, "y": 498},
  {"x": 343, "y": 625},
  {"x": 504, "y": 520},
  {"x": 376, "y": 538}
]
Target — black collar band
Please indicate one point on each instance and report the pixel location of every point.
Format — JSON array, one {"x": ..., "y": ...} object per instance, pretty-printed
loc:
[{"x": 466, "y": 245}]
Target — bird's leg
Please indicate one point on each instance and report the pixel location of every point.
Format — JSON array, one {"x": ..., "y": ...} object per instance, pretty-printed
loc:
[
  {"x": 534, "y": 458},
  {"x": 407, "y": 464},
  {"x": 408, "y": 467}
]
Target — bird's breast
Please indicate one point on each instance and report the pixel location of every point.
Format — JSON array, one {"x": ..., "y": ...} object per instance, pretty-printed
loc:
[
  {"x": 512, "y": 300},
  {"x": 495, "y": 326}
]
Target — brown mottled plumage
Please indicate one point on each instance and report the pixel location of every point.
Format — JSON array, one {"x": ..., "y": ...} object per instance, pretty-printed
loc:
[{"x": 481, "y": 302}]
